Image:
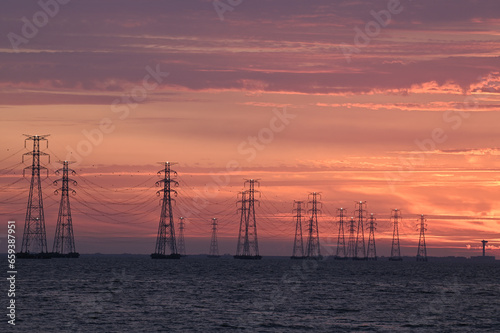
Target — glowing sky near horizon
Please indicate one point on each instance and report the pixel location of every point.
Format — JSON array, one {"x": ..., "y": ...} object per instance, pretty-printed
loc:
[{"x": 410, "y": 120}]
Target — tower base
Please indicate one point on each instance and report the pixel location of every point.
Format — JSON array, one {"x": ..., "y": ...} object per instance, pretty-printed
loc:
[
  {"x": 320, "y": 257},
  {"x": 165, "y": 256},
  {"x": 65, "y": 255},
  {"x": 27, "y": 255},
  {"x": 395, "y": 259},
  {"x": 247, "y": 257}
]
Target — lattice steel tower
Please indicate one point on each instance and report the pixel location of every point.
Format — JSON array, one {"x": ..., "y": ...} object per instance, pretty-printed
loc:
[
  {"x": 181, "y": 248},
  {"x": 395, "y": 249},
  {"x": 248, "y": 246},
  {"x": 313, "y": 248},
  {"x": 34, "y": 243},
  {"x": 360, "y": 250},
  {"x": 64, "y": 241},
  {"x": 422, "y": 248},
  {"x": 298, "y": 243},
  {"x": 372, "y": 249},
  {"x": 351, "y": 242},
  {"x": 214, "y": 246},
  {"x": 166, "y": 247},
  {"x": 341, "y": 249}
]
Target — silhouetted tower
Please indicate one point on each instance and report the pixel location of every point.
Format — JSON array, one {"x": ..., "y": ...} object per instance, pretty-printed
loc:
[
  {"x": 422, "y": 249},
  {"x": 214, "y": 246},
  {"x": 64, "y": 241},
  {"x": 243, "y": 214},
  {"x": 313, "y": 247},
  {"x": 372, "y": 249},
  {"x": 395, "y": 249},
  {"x": 166, "y": 247},
  {"x": 34, "y": 243},
  {"x": 298, "y": 243},
  {"x": 351, "y": 242},
  {"x": 341, "y": 249},
  {"x": 360, "y": 250},
  {"x": 248, "y": 246},
  {"x": 181, "y": 248},
  {"x": 484, "y": 247}
]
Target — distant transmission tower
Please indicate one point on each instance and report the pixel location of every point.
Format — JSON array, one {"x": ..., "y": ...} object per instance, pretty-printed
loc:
[
  {"x": 313, "y": 247},
  {"x": 64, "y": 241},
  {"x": 360, "y": 250},
  {"x": 395, "y": 249},
  {"x": 341, "y": 249},
  {"x": 165, "y": 241},
  {"x": 181, "y": 248},
  {"x": 422, "y": 249},
  {"x": 372, "y": 249},
  {"x": 298, "y": 243},
  {"x": 34, "y": 243},
  {"x": 248, "y": 246},
  {"x": 351, "y": 242},
  {"x": 214, "y": 246}
]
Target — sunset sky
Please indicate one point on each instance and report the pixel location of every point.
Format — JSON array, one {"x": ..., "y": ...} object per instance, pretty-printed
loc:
[{"x": 396, "y": 103}]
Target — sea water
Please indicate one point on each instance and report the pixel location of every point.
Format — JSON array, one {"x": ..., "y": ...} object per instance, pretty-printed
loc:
[{"x": 197, "y": 294}]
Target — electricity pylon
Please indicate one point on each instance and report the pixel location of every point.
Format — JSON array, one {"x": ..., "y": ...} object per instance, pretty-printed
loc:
[
  {"x": 360, "y": 250},
  {"x": 298, "y": 243},
  {"x": 181, "y": 246},
  {"x": 64, "y": 241},
  {"x": 422, "y": 249},
  {"x": 351, "y": 242},
  {"x": 313, "y": 248},
  {"x": 214, "y": 246},
  {"x": 341, "y": 249},
  {"x": 34, "y": 243},
  {"x": 166, "y": 247},
  {"x": 372, "y": 249},
  {"x": 395, "y": 248},
  {"x": 248, "y": 245}
]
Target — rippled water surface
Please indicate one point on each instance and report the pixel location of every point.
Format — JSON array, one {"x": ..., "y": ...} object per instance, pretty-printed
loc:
[{"x": 137, "y": 294}]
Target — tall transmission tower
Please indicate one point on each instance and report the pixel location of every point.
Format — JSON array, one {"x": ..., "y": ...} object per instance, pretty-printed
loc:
[
  {"x": 360, "y": 250},
  {"x": 182, "y": 245},
  {"x": 313, "y": 248},
  {"x": 243, "y": 214},
  {"x": 351, "y": 242},
  {"x": 395, "y": 249},
  {"x": 64, "y": 241},
  {"x": 165, "y": 241},
  {"x": 341, "y": 248},
  {"x": 248, "y": 246},
  {"x": 34, "y": 243},
  {"x": 372, "y": 249},
  {"x": 422, "y": 248},
  {"x": 298, "y": 243},
  {"x": 214, "y": 246}
]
